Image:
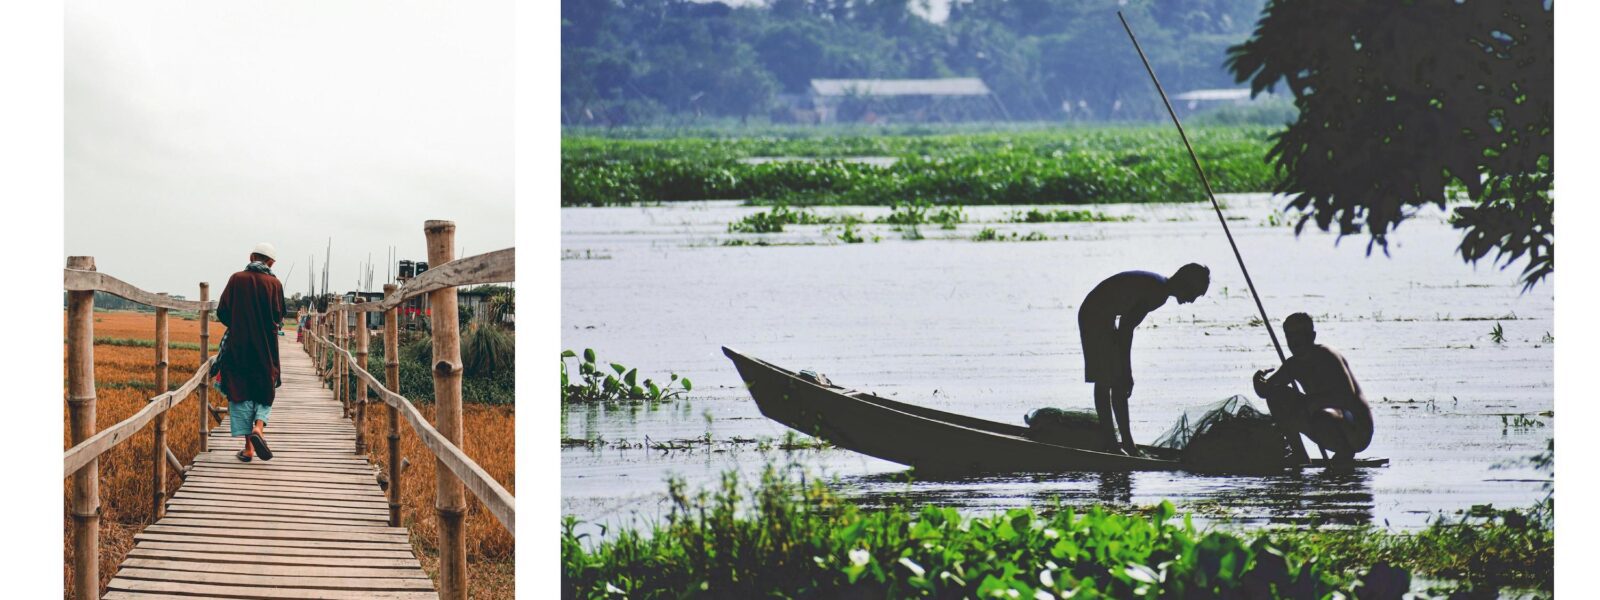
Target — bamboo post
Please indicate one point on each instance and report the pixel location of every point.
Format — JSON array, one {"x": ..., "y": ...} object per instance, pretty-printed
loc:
[
  {"x": 316, "y": 348},
  {"x": 337, "y": 330},
  {"x": 450, "y": 499},
  {"x": 391, "y": 379},
  {"x": 362, "y": 341},
  {"x": 158, "y": 456},
  {"x": 80, "y": 403},
  {"x": 348, "y": 343},
  {"x": 204, "y": 406}
]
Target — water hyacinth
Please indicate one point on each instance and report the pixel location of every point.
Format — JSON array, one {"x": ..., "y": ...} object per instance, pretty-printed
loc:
[
  {"x": 797, "y": 539},
  {"x": 1062, "y": 166}
]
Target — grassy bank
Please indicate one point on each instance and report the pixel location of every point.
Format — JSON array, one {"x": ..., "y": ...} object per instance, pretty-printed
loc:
[
  {"x": 796, "y": 539},
  {"x": 1049, "y": 166}
]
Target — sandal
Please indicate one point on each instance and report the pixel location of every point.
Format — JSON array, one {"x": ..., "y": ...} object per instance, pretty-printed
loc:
[
  {"x": 242, "y": 457},
  {"x": 259, "y": 444}
]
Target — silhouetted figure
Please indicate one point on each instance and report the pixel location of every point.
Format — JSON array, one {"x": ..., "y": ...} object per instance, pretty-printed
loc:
[
  {"x": 1332, "y": 410},
  {"x": 1105, "y": 324}
]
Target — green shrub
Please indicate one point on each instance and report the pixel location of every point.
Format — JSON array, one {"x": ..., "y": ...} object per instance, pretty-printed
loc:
[{"x": 487, "y": 349}]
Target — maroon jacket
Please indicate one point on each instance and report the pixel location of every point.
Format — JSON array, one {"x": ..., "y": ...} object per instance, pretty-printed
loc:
[{"x": 252, "y": 308}]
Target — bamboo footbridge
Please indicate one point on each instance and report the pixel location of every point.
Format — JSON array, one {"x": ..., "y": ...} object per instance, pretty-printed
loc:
[{"x": 318, "y": 520}]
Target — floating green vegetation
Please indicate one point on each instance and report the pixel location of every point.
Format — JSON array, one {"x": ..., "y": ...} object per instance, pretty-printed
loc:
[
  {"x": 773, "y": 220},
  {"x": 706, "y": 443},
  {"x": 848, "y": 234},
  {"x": 1034, "y": 215},
  {"x": 907, "y": 216},
  {"x": 1052, "y": 166},
  {"x": 784, "y": 538},
  {"x": 949, "y": 216},
  {"x": 1518, "y": 422},
  {"x": 988, "y": 234},
  {"x": 618, "y": 384}
]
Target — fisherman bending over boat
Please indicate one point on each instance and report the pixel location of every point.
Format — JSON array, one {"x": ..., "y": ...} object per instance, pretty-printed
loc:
[
  {"x": 1105, "y": 323},
  {"x": 1331, "y": 411}
]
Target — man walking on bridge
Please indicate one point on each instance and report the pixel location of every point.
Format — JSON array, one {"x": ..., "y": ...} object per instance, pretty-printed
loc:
[{"x": 252, "y": 308}]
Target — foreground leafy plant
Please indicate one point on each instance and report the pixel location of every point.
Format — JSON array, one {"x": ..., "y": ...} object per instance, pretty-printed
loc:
[
  {"x": 791, "y": 537},
  {"x": 595, "y": 384},
  {"x": 796, "y": 539}
]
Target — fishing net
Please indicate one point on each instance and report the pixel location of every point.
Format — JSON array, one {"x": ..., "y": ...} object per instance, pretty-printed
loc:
[
  {"x": 1071, "y": 428},
  {"x": 1230, "y": 434}
]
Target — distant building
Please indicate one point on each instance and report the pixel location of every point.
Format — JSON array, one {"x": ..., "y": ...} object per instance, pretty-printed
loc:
[
  {"x": 474, "y": 300},
  {"x": 897, "y": 100},
  {"x": 1197, "y": 99}
]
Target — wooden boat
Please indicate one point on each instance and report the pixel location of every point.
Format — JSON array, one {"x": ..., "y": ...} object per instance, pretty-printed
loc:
[{"x": 931, "y": 440}]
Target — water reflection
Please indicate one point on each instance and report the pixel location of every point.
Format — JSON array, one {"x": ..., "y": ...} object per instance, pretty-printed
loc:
[
  {"x": 1324, "y": 496},
  {"x": 1320, "y": 496},
  {"x": 1115, "y": 488}
]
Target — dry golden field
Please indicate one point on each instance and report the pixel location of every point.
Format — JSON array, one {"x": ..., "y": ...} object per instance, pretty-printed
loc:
[{"x": 124, "y": 381}]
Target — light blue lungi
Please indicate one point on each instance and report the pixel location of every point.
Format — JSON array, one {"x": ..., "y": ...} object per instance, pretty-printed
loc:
[{"x": 242, "y": 416}]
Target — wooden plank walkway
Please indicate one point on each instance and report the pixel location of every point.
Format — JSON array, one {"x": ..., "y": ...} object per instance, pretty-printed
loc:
[{"x": 310, "y": 523}]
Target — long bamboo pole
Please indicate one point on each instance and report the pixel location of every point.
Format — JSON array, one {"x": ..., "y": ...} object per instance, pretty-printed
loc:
[
  {"x": 1294, "y": 441},
  {"x": 391, "y": 379},
  {"x": 450, "y": 498},
  {"x": 361, "y": 388},
  {"x": 158, "y": 455},
  {"x": 81, "y": 405},
  {"x": 204, "y": 405}
]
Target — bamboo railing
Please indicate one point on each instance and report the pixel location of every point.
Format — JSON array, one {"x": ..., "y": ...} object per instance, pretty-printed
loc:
[
  {"x": 82, "y": 461},
  {"x": 330, "y": 338}
]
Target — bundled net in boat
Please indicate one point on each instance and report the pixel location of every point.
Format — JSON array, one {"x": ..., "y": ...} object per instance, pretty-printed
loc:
[
  {"x": 1230, "y": 434},
  {"x": 1073, "y": 428}
]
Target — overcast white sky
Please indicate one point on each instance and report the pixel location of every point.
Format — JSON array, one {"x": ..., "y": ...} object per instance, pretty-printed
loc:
[{"x": 196, "y": 129}]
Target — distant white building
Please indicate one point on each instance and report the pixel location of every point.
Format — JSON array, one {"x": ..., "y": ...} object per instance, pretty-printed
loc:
[
  {"x": 1196, "y": 99},
  {"x": 915, "y": 100}
]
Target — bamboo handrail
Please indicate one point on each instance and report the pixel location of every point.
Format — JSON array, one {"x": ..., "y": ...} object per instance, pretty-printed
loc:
[
  {"x": 489, "y": 267},
  {"x": 500, "y": 502},
  {"x": 78, "y": 456},
  {"x": 80, "y": 280},
  {"x": 81, "y": 461}
]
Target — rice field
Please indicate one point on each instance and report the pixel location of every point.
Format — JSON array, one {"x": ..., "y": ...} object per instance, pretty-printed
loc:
[{"x": 124, "y": 381}]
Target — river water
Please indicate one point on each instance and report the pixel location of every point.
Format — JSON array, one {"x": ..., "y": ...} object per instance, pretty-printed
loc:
[{"x": 989, "y": 329}]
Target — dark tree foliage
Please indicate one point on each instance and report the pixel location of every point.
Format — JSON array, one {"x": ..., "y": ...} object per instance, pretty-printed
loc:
[{"x": 1409, "y": 104}]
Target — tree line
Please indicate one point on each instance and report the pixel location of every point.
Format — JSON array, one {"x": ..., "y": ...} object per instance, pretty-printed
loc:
[{"x": 646, "y": 61}]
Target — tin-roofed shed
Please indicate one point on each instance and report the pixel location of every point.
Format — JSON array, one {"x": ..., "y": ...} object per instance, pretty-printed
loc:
[{"x": 908, "y": 99}]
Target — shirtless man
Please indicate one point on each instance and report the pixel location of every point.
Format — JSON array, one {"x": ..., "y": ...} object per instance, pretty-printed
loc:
[
  {"x": 1105, "y": 325},
  {"x": 1332, "y": 411}
]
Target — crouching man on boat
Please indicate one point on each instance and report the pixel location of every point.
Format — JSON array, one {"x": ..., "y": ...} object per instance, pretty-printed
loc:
[
  {"x": 1331, "y": 411},
  {"x": 1105, "y": 323}
]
